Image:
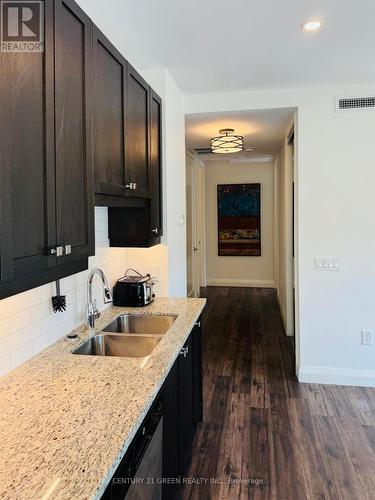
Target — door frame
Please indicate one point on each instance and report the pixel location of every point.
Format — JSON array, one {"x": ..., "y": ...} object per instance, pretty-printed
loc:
[{"x": 198, "y": 223}]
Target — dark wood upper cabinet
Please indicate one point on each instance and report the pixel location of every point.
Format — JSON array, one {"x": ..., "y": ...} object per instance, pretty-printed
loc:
[
  {"x": 137, "y": 169},
  {"x": 156, "y": 164},
  {"x": 109, "y": 97},
  {"x": 74, "y": 110},
  {"x": 45, "y": 159},
  {"x": 27, "y": 159},
  {"x": 73, "y": 131},
  {"x": 139, "y": 222}
]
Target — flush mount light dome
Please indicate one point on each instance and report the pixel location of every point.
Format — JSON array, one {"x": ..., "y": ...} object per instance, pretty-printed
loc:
[
  {"x": 313, "y": 25},
  {"x": 227, "y": 142}
]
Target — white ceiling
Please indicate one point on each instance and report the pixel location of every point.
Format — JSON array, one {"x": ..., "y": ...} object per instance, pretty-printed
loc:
[
  {"x": 263, "y": 130},
  {"x": 216, "y": 45}
]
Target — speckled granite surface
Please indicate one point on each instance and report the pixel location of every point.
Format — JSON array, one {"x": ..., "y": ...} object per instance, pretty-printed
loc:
[{"x": 66, "y": 420}]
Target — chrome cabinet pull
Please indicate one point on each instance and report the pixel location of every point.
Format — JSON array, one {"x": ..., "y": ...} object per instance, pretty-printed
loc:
[
  {"x": 68, "y": 249},
  {"x": 156, "y": 230},
  {"x": 198, "y": 324},
  {"x": 59, "y": 251},
  {"x": 184, "y": 351}
]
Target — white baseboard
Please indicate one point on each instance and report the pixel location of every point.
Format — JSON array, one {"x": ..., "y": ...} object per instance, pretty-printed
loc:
[
  {"x": 336, "y": 376},
  {"x": 241, "y": 283}
]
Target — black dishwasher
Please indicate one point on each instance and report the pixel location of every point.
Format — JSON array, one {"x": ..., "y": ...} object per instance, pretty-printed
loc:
[{"x": 139, "y": 475}]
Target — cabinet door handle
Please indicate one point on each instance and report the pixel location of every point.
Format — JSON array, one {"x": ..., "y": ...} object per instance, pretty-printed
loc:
[
  {"x": 52, "y": 251},
  {"x": 68, "y": 249},
  {"x": 129, "y": 186},
  {"x": 59, "y": 251},
  {"x": 134, "y": 185},
  {"x": 198, "y": 324},
  {"x": 184, "y": 351},
  {"x": 156, "y": 230}
]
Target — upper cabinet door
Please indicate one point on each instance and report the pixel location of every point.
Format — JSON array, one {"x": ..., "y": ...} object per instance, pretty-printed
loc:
[
  {"x": 137, "y": 134},
  {"x": 155, "y": 164},
  {"x": 109, "y": 97},
  {"x": 73, "y": 131},
  {"x": 27, "y": 204}
]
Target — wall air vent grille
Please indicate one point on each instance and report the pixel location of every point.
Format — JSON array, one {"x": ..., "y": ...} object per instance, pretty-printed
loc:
[
  {"x": 202, "y": 151},
  {"x": 351, "y": 103}
]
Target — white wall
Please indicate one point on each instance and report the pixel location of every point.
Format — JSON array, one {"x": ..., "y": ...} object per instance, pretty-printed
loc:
[
  {"x": 27, "y": 321},
  {"x": 335, "y": 218},
  {"x": 173, "y": 257},
  {"x": 240, "y": 271}
]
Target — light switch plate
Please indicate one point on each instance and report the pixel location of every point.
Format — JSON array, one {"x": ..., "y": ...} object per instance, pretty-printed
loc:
[
  {"x": 366, "y": 337},
  {"x": 327, "y": 264}
]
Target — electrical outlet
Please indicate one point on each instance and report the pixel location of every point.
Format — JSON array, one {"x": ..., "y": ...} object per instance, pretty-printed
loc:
[
  {"x": 327, "y": 264},
  {"x": 366, "y": 337}
]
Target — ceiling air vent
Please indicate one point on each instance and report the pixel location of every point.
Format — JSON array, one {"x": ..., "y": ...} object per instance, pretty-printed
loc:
[
  {"x": 354, "y": 103},
  {"x": 202, "y": 151}
]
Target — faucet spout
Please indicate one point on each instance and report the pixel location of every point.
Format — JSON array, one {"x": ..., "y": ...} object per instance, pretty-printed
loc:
[{"x": 92, "y": 312}]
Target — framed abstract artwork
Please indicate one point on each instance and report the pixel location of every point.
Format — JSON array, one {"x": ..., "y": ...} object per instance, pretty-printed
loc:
[{"x": 239, "y": 221}]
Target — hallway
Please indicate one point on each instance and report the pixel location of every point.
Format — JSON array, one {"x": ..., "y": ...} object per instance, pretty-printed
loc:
[{"x": 264, "y": 435}]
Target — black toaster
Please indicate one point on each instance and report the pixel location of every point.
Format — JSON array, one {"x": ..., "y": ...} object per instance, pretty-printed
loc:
[{"x": 133, "y": 290}]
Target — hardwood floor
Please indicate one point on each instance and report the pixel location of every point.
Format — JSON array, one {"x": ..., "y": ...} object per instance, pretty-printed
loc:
[{"x": 264, "y": 435}]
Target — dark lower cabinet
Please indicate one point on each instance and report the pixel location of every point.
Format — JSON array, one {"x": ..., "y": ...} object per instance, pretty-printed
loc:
[
  {"x": 177, "y": 402},
  {"x": 171, "y": 438},
  {"x": 182, "y": 412},
  {"x": 186, "y": 402},
  {"x": 197, "y": 372}
]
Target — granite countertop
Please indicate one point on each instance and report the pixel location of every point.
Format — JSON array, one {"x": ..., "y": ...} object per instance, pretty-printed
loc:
[{"x": 66, "y": 421}]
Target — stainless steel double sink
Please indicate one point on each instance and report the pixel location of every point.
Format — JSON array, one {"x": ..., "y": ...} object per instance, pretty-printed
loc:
[{"x": 128, "y": 335}]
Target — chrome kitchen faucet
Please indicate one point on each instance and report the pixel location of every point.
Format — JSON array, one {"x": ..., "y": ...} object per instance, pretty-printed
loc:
[{"x": 92, "y": 311}]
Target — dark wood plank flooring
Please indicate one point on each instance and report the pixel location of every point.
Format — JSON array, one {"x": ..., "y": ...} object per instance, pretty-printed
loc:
[{"x": 264, "y": 435}]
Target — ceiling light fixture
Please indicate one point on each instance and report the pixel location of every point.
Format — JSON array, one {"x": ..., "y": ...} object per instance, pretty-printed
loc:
[
  {"x": 227, "y": 142},
  {"x": 313, "y": 25}
]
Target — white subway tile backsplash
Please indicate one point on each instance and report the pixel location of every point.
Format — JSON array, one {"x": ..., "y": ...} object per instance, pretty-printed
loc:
[
  {"x": 41, "y": 311},
  {"x": 4, "y": 328},
  {"x": 27, "y": 322},
  {"x": 5, "y": 364},
  {"x": 10, "y": 343},
  {"x": 41, "y": 342},
  {"x": 21, "y": 354},
  {"x": 20, "y": 320},
  {"x": 10, "y": 306},
  {"x": 30, "y": 298}
]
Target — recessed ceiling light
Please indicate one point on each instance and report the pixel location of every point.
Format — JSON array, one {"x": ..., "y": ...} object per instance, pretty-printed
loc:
[{"x": 313, "y": 25}]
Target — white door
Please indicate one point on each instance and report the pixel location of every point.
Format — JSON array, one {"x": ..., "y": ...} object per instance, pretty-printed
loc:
[{"x": 194, "y": 216}]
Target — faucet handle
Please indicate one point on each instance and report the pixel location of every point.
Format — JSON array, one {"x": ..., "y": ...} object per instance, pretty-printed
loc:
[{"x": 96, "y": 311}]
